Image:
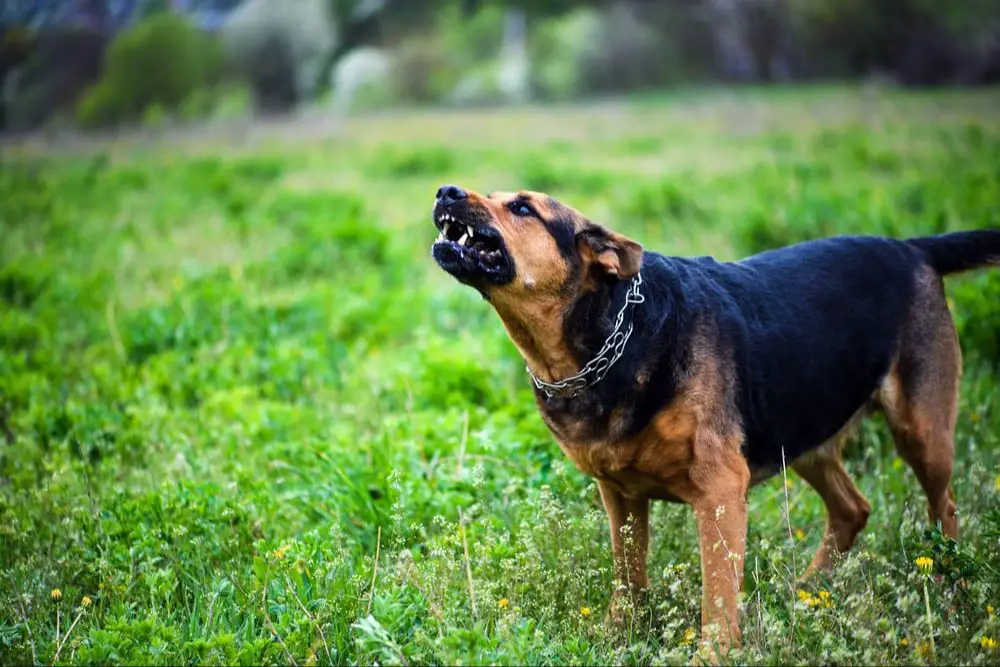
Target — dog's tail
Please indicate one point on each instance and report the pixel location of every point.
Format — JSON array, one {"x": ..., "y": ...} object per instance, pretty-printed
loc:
[{"x": 960, "y": 251}]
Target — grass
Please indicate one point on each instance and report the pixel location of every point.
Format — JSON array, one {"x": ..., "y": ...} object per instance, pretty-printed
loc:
[{"x": 245, "y": 419}]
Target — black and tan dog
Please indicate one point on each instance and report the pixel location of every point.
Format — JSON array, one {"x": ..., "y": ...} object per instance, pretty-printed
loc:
[{"x": 689, "y": 379}]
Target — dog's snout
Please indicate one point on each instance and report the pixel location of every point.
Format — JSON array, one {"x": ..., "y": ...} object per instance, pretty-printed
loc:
[{"x": 449, "y": 194}]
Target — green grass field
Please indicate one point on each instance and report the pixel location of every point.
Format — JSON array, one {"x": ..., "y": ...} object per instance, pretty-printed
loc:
[{"x": 245, "y": 419}]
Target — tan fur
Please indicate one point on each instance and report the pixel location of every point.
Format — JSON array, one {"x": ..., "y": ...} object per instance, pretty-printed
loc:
[
  {"x": 533, "y": 306},
  {"x": 920, "y": 400},
  {"x": 689, "y": 453}
]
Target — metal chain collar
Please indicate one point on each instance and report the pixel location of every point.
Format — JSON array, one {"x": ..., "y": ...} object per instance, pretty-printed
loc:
[{"x": 599, "y": 366}]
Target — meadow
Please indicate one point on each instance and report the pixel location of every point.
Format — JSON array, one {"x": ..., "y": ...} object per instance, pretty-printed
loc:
[{"x": 244, "y": 418}]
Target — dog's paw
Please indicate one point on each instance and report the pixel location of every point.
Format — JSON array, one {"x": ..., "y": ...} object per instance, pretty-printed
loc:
[{"x": 625, "y": 604}]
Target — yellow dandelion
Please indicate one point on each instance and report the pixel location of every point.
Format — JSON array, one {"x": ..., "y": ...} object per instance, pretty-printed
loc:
[
  {"x": 281, "y": 551},
  {"x": 988, "y": 643},
  {"x": 503, "y": 603},
  {"x": 689, "y": 636},
  {"x": 56, "y": 594},
  {"x": 806, "y": 597},
  {"x": 585, "y": 611},
  {"x": 904, "y": 642},
  {"x": 86, "y": 601},
  {"x": 924, "y": 564},
  {"x": 799, "y": 535},
  {"x": 989, "y": 610},
  {"x": 824, "y": 599}
]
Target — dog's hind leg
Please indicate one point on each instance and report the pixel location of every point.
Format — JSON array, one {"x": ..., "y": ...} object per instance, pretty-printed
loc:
[
  {"x": 847, "y": 509},
  {"x": 920, "y": 400}
]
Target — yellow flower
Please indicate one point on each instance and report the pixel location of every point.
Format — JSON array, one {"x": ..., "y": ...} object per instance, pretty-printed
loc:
[
  {"x": 904, "y": 642},
  {"x": 989, "y": 610},
  {"x": 924, "y": 564},
  {"x": 503, "y": 603},
  {"x": 689, "y": 636},
  {"x": 988, "y": 643},
  {"x": 281, "y": 551},
  {"x": 585, "y": 611},
  {"x": 56, "y": 594},
  {"x": 806, "y": 597},
  {"x": 86, "y": 601},
  {"x": 799, "y": 535},
  {"x": 824, "y": 599}
]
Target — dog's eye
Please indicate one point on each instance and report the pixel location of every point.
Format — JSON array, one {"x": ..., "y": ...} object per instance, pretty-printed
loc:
[{"x": 520, "y": 208}]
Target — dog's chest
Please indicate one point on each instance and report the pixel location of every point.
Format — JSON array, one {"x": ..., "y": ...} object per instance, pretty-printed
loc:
[{"x": 651, "y": 464}]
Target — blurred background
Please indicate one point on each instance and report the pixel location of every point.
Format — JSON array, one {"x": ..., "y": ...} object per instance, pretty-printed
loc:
[{"x": 93, "y": 64}]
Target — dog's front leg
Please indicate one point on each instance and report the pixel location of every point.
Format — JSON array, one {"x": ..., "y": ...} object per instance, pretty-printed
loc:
[
  {"x": 629, "y": 519},
  {"x": 721, "y": 512}
]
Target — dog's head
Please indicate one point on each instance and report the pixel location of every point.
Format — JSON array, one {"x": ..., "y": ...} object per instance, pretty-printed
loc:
[{"x": 513, "y": 246}]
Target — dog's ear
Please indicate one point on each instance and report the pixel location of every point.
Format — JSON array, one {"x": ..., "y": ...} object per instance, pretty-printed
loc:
[{"x": 615, "y": 254}]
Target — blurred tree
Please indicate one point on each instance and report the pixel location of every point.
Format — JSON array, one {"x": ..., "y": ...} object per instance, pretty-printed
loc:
[
  {"x": 16, "y": 44},
  {"x": 281, "y": 46}
]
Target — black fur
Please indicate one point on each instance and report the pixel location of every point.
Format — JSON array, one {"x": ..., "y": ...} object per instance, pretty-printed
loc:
[
  {"x": 960, "y": 251},
  {"x": 805, "y": 334}
]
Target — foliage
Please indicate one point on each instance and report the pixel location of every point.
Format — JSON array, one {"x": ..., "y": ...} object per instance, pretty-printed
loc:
[
  {"x": 281, "y": 48},
  {"x": 160, "y": 61},
  {"x": 60, "y": 66},
  {"x": 245, "y": 420}
]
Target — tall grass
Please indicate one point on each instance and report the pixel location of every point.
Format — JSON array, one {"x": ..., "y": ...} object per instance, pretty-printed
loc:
[{"x": 244, "y": 419}]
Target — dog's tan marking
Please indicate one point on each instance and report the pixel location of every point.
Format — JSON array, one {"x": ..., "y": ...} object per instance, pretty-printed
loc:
[
  {"x": 532, "y": 307},
  {"x": 847, "y": 509},
  {"x": 690, "y": 452},
  {"x": 920, "y": 398}
]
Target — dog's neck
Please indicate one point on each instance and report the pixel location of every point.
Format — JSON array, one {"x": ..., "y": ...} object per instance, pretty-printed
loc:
[
  {"x": 555, "y": 337},
  {"x": 536, "y": 329}
]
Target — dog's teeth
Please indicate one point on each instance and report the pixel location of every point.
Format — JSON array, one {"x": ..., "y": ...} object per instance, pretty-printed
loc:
[
  {"x": 461, "y": 241},
  {"x": 471, "y": 233},
  {"x": 445, "y": 229}
]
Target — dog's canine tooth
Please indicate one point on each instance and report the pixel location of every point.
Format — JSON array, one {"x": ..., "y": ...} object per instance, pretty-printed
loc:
[
  {"x": 445, "y": 232},
  {"x": 471, "y": 233},
  {"x": 462, "y": 240}
]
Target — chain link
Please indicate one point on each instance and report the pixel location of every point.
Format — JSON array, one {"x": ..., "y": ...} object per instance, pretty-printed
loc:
[{"x": 599, "y": 366}]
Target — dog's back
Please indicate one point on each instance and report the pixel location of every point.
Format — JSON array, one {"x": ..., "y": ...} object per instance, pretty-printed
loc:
[{"x": 817, "y": 328}]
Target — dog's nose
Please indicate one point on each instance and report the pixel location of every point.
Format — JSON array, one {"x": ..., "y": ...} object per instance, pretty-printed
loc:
[{"x": 449, "y": 194}]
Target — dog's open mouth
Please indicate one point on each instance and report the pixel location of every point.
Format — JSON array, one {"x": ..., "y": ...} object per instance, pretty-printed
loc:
[{"x": 470, "y": 251}]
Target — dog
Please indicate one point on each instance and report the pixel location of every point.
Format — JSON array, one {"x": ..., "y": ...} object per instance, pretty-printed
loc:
[{"x": 692, "y": 380}]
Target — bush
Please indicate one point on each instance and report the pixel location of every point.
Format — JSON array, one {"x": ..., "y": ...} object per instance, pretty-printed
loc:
[
  {"x": 622, "y": 48},
  {"x": 425, "y": 71},
  {"x": 98, "y": 107},
  {"x": 918, "y": 41},
  {"x": 62, "y": 64},
  {"x": 161, "y": 61},
  {"x": 281, "y": 48}
]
